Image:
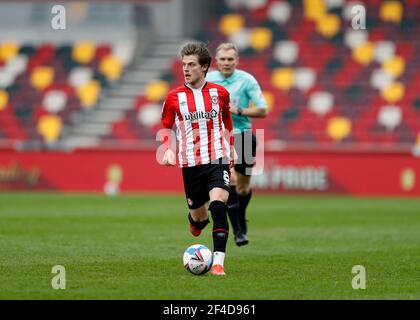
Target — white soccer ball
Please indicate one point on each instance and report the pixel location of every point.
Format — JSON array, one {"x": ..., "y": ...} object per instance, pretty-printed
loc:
[{"x": 198, "y": 259}]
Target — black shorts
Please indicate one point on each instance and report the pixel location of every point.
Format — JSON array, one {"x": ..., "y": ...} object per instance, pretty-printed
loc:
[
  {"x": 199, "y": 180},
  {"x": 246, "y": 148}
]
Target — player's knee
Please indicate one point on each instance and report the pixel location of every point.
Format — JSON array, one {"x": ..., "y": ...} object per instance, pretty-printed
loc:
[{"x": 222, "y": 197}]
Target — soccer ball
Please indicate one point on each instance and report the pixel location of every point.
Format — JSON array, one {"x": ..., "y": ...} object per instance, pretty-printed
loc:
[{"x": 198, "y": 259}]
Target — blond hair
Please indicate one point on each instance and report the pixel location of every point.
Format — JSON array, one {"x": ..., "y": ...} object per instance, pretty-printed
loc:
[{"x": 228, "y": 46}]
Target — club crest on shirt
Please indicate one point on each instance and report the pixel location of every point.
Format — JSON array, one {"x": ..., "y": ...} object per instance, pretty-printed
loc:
[{"x": 215, "y": 100}]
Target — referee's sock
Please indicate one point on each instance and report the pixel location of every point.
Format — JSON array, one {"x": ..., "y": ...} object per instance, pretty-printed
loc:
[
  {"x": 220, "y": 225},
  {"x": 243, "y": 204},
  {"x": 233, "y": 209}
]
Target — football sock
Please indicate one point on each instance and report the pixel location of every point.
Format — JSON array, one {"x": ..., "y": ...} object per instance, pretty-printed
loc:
[
  {"x": 218, "y": 258},
  {"x": 232, "y": 209},
  {"x": 220, "y": 225},
  {"x": 198, "y": 224},
  {"x": 243, "y": 204}
]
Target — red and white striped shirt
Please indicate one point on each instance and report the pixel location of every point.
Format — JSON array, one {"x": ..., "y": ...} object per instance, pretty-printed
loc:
[{"x": 203, "y": 123}]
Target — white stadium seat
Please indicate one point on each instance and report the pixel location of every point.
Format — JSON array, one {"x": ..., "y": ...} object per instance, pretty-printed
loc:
[
  {"x": 54, "y": 101},
  {"x": 390, "y": 116},
  {"x": 384, "y": 50},
  {"x": 80, "y": 76},
  {"x": 150, "y": 114},
  {"x": 304, "y": 78},
  {"x": 321, "y": 102},
  {"x": 286, "y": 52},
  {"x": 279, "y": 12}
]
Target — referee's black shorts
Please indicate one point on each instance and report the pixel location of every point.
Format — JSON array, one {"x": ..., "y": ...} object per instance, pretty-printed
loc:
[
  {"x": 246, "y": 148},
  {"x": 199, "y": 180}
]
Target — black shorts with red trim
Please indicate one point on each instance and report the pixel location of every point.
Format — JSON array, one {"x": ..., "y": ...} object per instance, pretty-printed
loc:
[{"x": 199, "y": 180}]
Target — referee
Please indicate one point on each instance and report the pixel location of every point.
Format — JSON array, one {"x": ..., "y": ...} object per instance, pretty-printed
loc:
[{"x": 243, "y": 89}]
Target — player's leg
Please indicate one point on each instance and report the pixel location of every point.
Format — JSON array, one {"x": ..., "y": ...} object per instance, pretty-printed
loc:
[
  {"x": 233, "y": 205},
  {"x": 233, "y": 202},
  {"x": 233, "y": 212},
  {"x": 243, "y": 189},
  {"x": 198, "y": 219},
  {"x": 217, "y": 207},
  {"x": 218, "y": 185},
  {"x": 197, "y": 197},
  {"x": 243, "y": 178}
]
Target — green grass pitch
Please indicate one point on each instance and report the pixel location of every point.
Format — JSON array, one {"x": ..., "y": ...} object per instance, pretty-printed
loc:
[{"x": 131, "y": 247}]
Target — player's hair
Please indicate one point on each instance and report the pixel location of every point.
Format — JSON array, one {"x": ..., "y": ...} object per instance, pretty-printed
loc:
[
  {"x": 200, "y": 49},
  {"x": 228, "y": 46}
]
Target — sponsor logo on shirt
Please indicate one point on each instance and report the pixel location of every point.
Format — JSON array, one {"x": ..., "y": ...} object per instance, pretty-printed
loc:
[{"x": 200, "y": 115}]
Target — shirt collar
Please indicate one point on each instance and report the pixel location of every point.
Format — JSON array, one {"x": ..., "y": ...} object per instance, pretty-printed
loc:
[
  {"x": 201, "y": 88},
  {"x": 231, "y": 78}
]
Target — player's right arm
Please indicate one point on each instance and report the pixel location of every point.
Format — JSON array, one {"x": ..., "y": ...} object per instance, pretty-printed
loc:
[{"x": 168, "y": 120}]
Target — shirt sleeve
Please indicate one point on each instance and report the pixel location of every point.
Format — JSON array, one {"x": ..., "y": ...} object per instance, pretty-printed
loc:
[
  {"x": 255, "y": 93},
  {"x": 168, "y": 113},
  {"x": 227, "y": 117}
]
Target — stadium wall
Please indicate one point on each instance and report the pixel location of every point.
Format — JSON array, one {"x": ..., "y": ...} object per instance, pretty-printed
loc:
[{"x": 361, "y": 174}]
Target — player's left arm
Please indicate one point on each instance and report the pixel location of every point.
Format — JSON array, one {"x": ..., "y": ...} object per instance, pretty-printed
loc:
[{"x": 256, "y": 96}]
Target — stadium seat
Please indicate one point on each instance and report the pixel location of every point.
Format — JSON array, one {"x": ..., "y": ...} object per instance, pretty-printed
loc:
[
  {"x": 314, "y": 9},
  {"x": 41, "y": 77},
  {"x": 49, "y": 127},
  {"x": 260, "y": 39},
  {"x": 279, "y": 12},
  {"x": 390, "y": 117},
  {"x": 321, "y": 102},
  {"x": 393, "y": 93},
  {"x": 355, "y": 38},
  {"x": 394, "y": 66},
  {"x": 282, "y": 78},
  {"x": 384, "y": 51},
  {"x": 83, "y": 52},
  {"x": 329, "y": 25},
  {"x": 364, "y": 53},
  {"x": 286, "y": 52},
  {"x": 4, "y": 99},
  {"x": 304, "y": 78},
  {"x": 156, "y": 90},
  {"x": 80, "y": 76},
  {"x": 8, "y": 50},
  {"x": 242, "y": 38},
  {"x": 380, "y": 79},
  {"x": 89, "y": 93},
  {"x": 150, "y": 114},
  {"x": 111, "y": 67},
  {"x": 231, "y": 23},
  {"x": 338, "y": 128},
  {"x": 54, "y": 101},
  {"x": 391, "y": 11}
]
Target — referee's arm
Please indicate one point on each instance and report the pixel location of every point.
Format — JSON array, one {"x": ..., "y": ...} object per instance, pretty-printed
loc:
[
  {"x": 260, "y": 105},
  {"x": 255, "y": 112}
]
